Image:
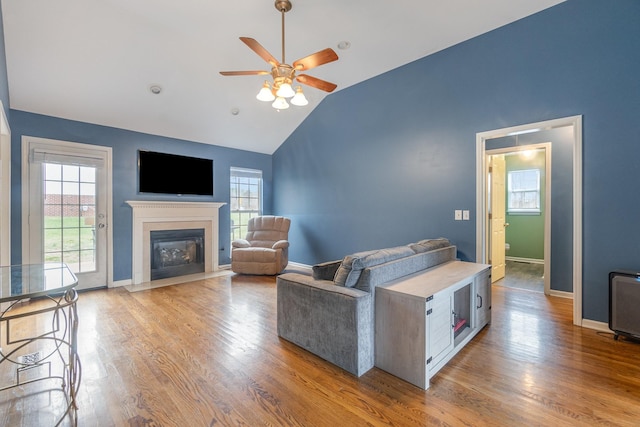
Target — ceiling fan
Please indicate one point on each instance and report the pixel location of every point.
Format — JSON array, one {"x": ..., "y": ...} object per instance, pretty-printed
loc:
[{"x": 284, "y": 74}]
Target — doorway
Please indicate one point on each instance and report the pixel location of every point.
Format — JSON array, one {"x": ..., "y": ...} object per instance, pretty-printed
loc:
[
  {"x": 66, "y": 196},
  {"x": 519, "y": 216},
  {"x": 567, "y": 242}
]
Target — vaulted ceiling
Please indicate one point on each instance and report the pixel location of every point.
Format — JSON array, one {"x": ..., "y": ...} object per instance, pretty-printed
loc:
[{"x": 95, "y": 61}]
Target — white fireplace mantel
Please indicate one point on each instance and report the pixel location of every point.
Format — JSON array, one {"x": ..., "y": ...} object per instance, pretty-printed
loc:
[{"x": 162, "y": 215}]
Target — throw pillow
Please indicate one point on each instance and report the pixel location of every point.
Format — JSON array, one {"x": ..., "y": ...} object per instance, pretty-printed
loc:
[
  {"x": 352, "y": 265},
  {"x": 427, "y": 245}
]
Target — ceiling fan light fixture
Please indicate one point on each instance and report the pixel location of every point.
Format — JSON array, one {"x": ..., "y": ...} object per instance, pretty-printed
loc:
[
  {"x": 299, "y": 99},
  {"x": 280, "y": 103},
  {"x": 283, "y": 74},
  {"x": 265, "y": 93}
]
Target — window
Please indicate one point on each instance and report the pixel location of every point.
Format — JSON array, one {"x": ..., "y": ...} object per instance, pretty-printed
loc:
[
  {"x": 246, "y": 199},
  {"x": 523, "y": 194}
]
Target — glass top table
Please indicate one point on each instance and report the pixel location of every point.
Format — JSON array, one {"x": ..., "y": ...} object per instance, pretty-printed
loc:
[
  {"x": 38, "y": 335},
  {"x": 34, "y": 280}
]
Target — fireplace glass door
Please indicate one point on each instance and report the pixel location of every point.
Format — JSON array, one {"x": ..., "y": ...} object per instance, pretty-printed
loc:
[{"x": 176, "y": 253}]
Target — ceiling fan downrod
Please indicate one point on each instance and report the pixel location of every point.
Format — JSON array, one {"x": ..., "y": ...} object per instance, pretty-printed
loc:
[{"x": 283, "y": 6}]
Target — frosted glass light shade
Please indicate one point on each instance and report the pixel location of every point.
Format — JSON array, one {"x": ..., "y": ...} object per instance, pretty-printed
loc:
[
  {"x": 280, "y": 103},
  {"x": 265, "y": 93},
  {"x": 299, "y": 99},
  {"x": 285, "y": 91}
]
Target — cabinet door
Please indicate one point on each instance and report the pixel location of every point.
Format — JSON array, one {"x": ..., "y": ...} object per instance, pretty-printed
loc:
[
  {"x": 440, "y": 337},
  {"x": 483, "y": 298}
]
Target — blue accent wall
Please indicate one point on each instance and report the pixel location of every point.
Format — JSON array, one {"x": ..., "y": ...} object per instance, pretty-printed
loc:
[
  {"x": 125, "y": 145},
  {"x": 387, "y": 161}
]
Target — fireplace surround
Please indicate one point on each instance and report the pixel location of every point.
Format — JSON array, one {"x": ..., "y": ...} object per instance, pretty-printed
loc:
[{"x": 161, "y": 216}]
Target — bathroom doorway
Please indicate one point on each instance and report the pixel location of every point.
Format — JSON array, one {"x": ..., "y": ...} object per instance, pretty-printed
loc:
[
  {"x": 565, "y": 135},
  {"x": 519, "y": 216}
]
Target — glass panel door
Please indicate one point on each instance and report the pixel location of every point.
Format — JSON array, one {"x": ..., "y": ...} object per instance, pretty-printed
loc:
[{"x": 69, "y": 220}]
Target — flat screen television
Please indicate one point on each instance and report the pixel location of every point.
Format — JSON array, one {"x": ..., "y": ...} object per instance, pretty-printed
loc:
[{"x": 173, "y": 174}]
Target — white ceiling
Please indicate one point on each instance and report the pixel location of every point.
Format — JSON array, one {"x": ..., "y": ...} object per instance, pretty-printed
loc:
[{"x": 94, "y": 60}]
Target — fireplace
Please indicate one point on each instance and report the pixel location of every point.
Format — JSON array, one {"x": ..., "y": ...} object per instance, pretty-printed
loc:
[
  {"x": 176, "y": 253},
  {"x": 151, "y": 216}
]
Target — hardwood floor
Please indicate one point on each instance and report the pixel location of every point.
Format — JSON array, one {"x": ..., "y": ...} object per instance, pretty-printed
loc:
[{"x": 207, "y": 354}]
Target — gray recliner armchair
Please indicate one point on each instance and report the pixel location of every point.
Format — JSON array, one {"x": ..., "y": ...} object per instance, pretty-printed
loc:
[{"x": 265, "y": 249}]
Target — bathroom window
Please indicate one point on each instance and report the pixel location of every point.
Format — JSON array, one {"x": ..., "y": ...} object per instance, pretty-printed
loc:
[{"x": 523, "y": 193}]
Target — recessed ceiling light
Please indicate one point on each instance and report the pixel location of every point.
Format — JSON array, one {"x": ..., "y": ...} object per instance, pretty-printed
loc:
[
  {"x": 344, "y": 45},
  {"x": 155, "y": 89}
]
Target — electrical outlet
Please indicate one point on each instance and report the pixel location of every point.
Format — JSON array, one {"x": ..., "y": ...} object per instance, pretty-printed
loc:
[
  {"x": 465, "y": 215},
  {"x": 457, "y": 215}
]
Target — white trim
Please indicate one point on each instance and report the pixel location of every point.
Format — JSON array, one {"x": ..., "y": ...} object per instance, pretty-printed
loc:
[
  {"x": 72, "y": 148},
  {"x": 5, "y": 190},
  {"x": 300, "y": 265},
  {"x": 561, "y": 294},
  {"x": 481, "y": 170},
  {"x": 577, "y": 221},
  {"x": 598, "y": 326},
  {"x": 120, "y": 283}
]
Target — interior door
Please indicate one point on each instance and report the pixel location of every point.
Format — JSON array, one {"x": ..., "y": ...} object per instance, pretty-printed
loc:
[
  {"x": 67, "y": 211},
  {"x": 497, "y": 168}
]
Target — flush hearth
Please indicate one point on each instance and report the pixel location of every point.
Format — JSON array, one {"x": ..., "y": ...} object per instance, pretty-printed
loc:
[{"x": 176, "y": 253}]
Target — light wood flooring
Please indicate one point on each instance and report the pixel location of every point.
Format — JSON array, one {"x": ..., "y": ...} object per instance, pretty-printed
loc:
[{"x": 206, "y": 353}]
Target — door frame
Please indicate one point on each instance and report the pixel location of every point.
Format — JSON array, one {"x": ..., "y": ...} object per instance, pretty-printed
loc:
[
  {"x": 546, "y": 146},
  {"x": 5, "y": 191},
  {"x": 481, "y": 173},
  {"x": 106, "y": 152}
]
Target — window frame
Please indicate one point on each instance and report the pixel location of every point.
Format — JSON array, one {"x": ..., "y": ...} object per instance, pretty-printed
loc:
[
  {"x": 243, "y": 208},
  {"x": 519, "y": 210}
]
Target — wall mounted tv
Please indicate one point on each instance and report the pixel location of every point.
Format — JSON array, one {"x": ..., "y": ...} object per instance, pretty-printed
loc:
[{"x": 173, "y": 174}]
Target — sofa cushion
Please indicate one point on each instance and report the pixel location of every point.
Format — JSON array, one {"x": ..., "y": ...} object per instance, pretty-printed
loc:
[
  {"x": 325, "y": 270},
  {"x": 352, "y": 265},
  {"x": 427, "y": 245}
]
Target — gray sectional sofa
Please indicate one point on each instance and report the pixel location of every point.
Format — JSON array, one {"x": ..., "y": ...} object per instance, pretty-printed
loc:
[{"x": 331, "y": 313}]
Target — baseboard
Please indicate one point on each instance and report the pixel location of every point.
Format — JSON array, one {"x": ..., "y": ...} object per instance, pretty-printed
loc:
[
  {"x": 299, "y": 264},
  {"x": 119, "y": 283},
  {"x": 561, "y": 294},
  {"x": 598, "y": 326},
  {"x": 527, "y": 260}
]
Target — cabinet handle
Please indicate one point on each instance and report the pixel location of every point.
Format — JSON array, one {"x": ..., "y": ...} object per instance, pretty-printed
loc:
[{"x": 479, "y": 296}]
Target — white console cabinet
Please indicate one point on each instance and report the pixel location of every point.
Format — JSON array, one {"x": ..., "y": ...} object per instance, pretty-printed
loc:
[{"x": 424, "y": 319}]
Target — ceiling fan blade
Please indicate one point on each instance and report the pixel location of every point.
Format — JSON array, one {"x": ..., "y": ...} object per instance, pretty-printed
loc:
[
  {"x": 316, "y": 82},
  {"x": 314, "y": 60},
  {"x": 261, "y": 51},
  {"x": 243, "y": 73}
]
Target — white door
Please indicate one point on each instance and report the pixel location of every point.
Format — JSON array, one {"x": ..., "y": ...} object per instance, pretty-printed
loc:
[
  {"x": 497, "y": 168},
  {"x": 68, "y": 208}
]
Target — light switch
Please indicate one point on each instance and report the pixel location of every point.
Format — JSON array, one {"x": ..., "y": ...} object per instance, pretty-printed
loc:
[
  {"x": 465, "y": 215},
  {"x": 457, "y": 214}
]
